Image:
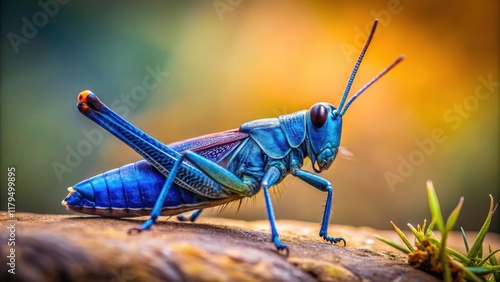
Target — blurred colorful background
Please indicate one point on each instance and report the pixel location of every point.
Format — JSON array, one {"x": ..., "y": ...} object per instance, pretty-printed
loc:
[{"x": 218, "y": 64}]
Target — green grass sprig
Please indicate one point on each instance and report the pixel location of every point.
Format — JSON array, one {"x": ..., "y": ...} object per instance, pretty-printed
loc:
[{"x": 431, "y": 254}]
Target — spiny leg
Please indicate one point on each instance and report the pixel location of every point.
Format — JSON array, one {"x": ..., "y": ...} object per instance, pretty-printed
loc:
[
  {"x": 270, "y": 177},
  {"x": 161, "y": 198},
  {"x": 191, "y": 217},
  {"x": 323, "y": 185}
]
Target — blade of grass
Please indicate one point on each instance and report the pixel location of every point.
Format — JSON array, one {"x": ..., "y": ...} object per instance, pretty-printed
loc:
[
  {"x": 403, "y": 237},
  {"x": 491, "y": 255},
  {"x": 483, "y": 270},
  {"x": 452, "y": 219},
  {"x": 459, "y": 256},
  {"x": 428, "y": 232},
  {"x": 393, "y": 244},
  {"x": 450, "y": 223},
  {"x": 434, "y": 206},
  {"x": 494, "y": 262},
  {"x": 477, "y": 246},
  {"x": 472, "y": 277},
  {"x": 466, "y": 243},
  {"x": 418, "y": 235},
  {"x": 443, "y": 256},
  {"x": 423, "y": 225},
  {"x": 438, "y": 218}
]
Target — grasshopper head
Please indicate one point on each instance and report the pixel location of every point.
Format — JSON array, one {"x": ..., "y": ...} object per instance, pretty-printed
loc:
[
  {"x": 324, "y": 127},
  {"x": 324, "y": 121}
]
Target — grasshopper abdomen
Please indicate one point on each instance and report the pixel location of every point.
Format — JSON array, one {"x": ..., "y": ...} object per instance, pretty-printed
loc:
[{"x": 130, "y": 191}]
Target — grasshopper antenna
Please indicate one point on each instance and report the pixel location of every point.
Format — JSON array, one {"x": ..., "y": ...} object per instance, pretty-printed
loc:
[
  {"x": 356, "y": 66},
  {"x": 392, "y": 65}
]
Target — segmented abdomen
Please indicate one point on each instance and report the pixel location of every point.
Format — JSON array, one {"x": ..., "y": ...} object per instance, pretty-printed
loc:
[{"x": 132, "y": 190}]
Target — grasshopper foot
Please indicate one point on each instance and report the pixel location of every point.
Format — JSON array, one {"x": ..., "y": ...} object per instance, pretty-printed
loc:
[
  {"x": 145, "y": 226},
  {"x": 191, "y": 217},
  {"x": 182, "y": 217},
  {"x": 134, "y": 230},
  {"x": 332, "y": 239},
  {"x": 282, "y": 248}
]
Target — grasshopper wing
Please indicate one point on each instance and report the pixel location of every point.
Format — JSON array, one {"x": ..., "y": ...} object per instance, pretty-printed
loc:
[{"x": 214, "y": 147}]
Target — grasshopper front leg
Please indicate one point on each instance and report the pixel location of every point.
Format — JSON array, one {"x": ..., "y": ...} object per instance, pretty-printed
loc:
[{"x": 323, "y": 185}]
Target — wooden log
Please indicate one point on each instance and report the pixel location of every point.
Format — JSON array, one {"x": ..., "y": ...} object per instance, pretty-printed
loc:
[{"x": 74, "y": 248}]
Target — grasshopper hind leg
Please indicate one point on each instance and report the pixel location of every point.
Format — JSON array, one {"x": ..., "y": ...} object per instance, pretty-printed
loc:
[{"x": 191, "y": 217}]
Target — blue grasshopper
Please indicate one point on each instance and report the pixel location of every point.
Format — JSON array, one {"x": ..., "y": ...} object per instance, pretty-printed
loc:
[{"x": 214, "y": 169}]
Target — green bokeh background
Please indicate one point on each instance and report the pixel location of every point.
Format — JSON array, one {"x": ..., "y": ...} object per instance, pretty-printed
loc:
[{"x": 243, "y": 60}]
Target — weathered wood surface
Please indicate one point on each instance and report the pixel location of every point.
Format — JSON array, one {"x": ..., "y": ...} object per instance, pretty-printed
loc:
[{"x": 73, "y": 248}]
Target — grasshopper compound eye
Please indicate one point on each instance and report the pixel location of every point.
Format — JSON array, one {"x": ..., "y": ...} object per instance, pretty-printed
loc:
[{"x": 318, "y": 114}]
